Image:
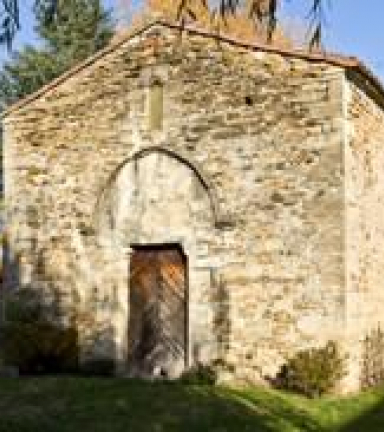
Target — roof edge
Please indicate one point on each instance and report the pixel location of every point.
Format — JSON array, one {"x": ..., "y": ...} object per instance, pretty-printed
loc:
[
  {"x": 346, "y": 62},
  {"x": 79, "y": 67}
]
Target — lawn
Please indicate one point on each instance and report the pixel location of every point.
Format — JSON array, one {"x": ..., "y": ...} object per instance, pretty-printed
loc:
[{"x": 71, "y": 404}]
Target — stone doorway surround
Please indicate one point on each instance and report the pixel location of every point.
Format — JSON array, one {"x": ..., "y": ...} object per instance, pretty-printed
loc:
[{"x": 158, "y": 197}]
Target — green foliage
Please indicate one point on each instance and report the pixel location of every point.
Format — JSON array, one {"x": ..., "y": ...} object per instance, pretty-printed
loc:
[
  {"x": 27, "y": 71},
  {"x": 77, "y": 30},
  {"x": 312, "y": 372},
  {"x": 32, "y": 342},
  {"x": 200, "y": 374},
  {"x": 77, "y": 404},
  {"x": 372, "y": 374}
]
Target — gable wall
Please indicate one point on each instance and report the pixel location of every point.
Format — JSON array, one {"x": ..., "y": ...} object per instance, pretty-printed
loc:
[{"x": 275, "y": 167}]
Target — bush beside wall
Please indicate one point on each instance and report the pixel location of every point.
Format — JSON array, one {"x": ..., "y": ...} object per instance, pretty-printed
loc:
[{"x": 313, "y": 372}]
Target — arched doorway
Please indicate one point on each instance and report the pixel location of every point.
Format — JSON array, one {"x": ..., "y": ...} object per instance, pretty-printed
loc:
[{"x": 158, "y": 213}]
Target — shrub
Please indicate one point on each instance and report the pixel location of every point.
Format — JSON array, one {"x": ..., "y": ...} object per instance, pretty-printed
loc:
[
  {"x": 200, "y": 373},
  {"x": 34, "y": 343},
  {"x": 312, "y": 372},
  {"x": 372, "y": 371}
]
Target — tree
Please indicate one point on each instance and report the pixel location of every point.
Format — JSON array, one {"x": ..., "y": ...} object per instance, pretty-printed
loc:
[
  {"x": 78, "y": 29},
  {"x": 239, "y": 25},
  {"x": 258, "y": 10}
]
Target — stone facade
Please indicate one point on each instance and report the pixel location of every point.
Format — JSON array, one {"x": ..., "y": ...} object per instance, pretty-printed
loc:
[
  {"x": 263, "y": 165},
  {"x": 364, "y": 228}
]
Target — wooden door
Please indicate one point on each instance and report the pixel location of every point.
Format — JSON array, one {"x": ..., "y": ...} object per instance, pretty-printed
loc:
[{"x": 157, "y": 323}]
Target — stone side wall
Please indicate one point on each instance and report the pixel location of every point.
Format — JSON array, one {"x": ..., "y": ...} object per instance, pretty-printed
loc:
[
  {"x": 364, "y": 184},
  {"x": 267, "y": 134}
]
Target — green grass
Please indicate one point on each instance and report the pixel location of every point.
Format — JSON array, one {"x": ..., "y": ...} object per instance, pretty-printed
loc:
[{"x": 71, "y": 404}]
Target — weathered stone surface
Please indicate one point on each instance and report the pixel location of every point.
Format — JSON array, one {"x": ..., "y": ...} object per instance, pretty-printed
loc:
[
  {"x": 263, "y": 171},
  {"x": 364, "y": 227}
]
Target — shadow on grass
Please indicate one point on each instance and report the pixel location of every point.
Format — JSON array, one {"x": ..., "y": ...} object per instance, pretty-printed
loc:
[
  {"x": 79, "y": 404},
  {"x": 369, "y": 419}
]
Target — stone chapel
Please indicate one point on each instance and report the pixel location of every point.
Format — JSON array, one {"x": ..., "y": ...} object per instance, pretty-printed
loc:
[{"x": 198, "y": 198}]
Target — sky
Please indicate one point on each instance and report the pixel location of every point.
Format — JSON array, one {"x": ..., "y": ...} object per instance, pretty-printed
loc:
[{"x": 351, "y": 28}]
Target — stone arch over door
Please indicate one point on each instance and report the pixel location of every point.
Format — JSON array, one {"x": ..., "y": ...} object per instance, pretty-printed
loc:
[
  {"x": 193, "y": 166},
  {"x": 157, "y": 197}
]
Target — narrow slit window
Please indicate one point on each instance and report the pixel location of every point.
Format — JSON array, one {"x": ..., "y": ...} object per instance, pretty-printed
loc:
[{"x": 156, "y": 106}]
